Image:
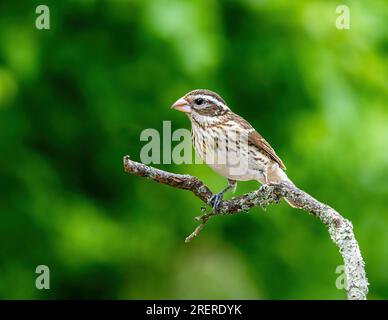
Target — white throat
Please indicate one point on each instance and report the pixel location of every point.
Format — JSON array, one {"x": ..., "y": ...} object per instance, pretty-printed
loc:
[{"x": 204, "y": 120}]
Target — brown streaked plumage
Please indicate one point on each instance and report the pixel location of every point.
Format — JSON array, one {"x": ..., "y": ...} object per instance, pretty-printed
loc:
[
  {"x": 257, "y": 140},
  {"x": 228, "y": 143}
]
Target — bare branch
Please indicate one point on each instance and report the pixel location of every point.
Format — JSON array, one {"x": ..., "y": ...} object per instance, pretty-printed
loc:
[{"x": 340, "y": 229}]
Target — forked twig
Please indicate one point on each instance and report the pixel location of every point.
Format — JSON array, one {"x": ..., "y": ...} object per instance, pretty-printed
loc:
[{"x": 340, "y": 229}]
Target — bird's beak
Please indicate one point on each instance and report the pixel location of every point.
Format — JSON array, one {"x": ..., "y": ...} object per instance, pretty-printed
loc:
[{"x": 181, "y": 105}]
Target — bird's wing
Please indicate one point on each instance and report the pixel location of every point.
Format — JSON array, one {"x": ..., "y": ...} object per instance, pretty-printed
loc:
[{"x": 254, "y": 138}]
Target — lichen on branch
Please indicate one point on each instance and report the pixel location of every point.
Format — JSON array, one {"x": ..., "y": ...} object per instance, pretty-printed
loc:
[{"x": 340, "y": 229}]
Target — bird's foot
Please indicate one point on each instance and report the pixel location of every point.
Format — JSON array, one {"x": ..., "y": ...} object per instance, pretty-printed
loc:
[
  {"x": 216, "y": 199},
  {"x": 263, "y": 187}
]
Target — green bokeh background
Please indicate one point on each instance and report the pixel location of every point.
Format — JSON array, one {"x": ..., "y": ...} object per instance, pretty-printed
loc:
[{"x": 74, "y": 100}]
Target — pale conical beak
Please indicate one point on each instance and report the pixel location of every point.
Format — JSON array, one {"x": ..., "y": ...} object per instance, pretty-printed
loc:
[{"x": 181, "y": 105}]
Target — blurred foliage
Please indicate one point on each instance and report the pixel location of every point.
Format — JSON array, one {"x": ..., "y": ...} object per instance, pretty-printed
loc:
[{"x": 74, "y": 100}]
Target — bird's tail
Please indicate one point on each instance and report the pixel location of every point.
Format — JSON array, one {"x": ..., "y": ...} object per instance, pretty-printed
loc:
[{"x": 277, "y": 175}]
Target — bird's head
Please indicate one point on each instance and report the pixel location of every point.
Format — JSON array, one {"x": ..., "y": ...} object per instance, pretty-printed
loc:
[{"x": 202, "y": 105}]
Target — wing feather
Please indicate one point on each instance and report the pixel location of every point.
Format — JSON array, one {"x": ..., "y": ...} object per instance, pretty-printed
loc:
[{"x": 257, "y": 140}]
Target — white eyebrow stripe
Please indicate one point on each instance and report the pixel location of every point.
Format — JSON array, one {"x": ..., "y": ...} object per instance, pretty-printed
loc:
[{"x": 212, "y": 99}]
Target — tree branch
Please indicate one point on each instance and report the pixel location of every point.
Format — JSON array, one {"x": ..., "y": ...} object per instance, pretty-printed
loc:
[{"x": 340, "y": 229}]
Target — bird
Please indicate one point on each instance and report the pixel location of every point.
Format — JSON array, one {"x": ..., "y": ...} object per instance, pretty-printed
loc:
[{"x": 229, "y": 144}]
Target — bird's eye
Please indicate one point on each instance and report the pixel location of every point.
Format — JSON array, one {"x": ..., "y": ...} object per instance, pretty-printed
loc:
[{"x": 199, "y": 101}]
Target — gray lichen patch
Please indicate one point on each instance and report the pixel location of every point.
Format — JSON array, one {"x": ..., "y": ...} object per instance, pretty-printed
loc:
[{"x": 340, "y": 229}]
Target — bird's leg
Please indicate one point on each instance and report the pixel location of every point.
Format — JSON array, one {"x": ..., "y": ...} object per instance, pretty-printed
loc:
[
  {"x": 264, "y": 180},
  {"x": 215, "y": 200}
]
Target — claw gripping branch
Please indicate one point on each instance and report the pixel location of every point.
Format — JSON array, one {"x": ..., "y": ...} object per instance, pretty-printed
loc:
[{"x": 340, "y": 229}]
